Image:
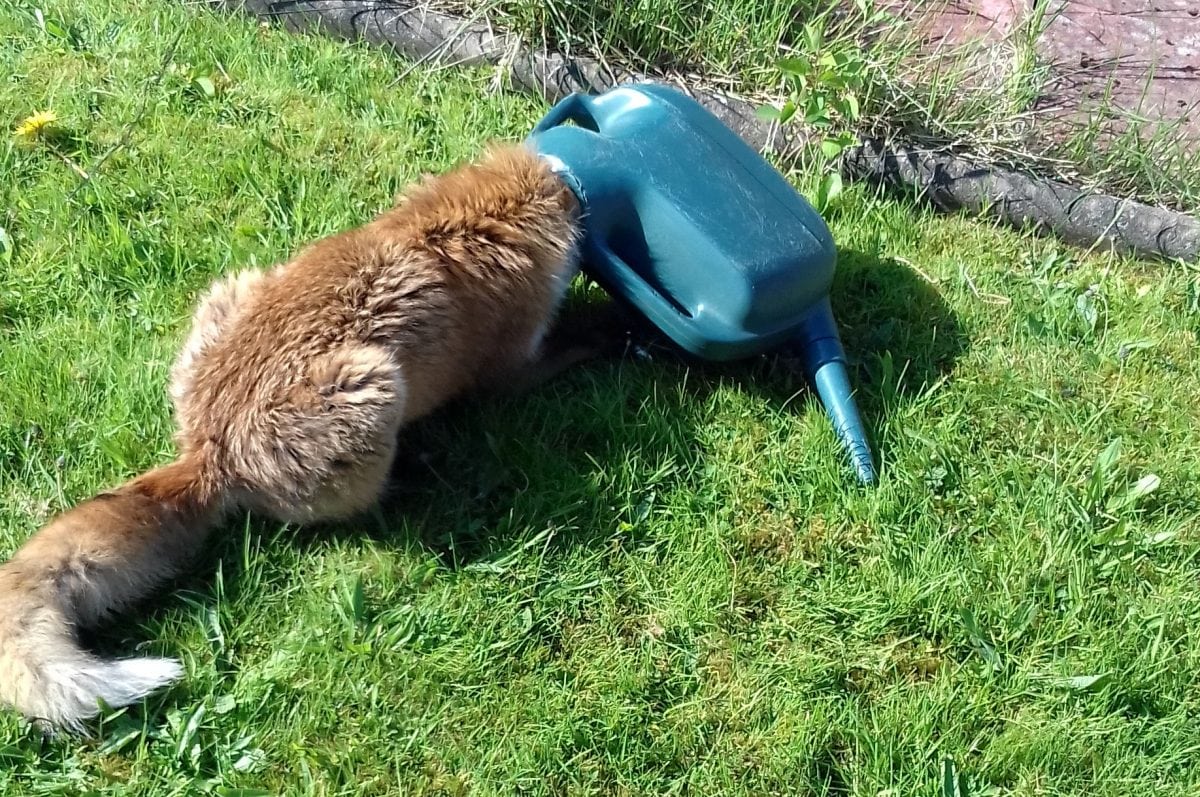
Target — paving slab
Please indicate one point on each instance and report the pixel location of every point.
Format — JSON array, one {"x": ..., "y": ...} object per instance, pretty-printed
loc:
[{"x": 1142, "y": 58}]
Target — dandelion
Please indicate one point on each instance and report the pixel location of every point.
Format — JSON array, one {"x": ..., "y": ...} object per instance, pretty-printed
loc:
[
  {"x": 41, "y": 126},
  {"x": 36, "y": 125}
]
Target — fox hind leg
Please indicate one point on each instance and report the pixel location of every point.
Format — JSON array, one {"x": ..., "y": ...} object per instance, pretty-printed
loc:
[{"x": 219, "y": 306}]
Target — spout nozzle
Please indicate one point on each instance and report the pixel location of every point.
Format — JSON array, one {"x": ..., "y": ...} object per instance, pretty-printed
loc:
[
  {"x": 820, "y": 348},
  {"x": 833, "y": 386}
]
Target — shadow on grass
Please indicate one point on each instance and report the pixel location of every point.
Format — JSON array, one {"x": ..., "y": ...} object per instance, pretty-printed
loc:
[
  {"x": 482, "y": 469},
  {"x": 589, "y": 450},
  {"x": 897, "y": 329}
]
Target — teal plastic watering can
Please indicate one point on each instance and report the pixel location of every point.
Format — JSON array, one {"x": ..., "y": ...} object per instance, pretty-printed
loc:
[{"x": 695, "y": 230}]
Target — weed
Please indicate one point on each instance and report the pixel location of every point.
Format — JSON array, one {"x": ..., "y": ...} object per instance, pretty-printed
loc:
[{"x": 984, "y": 96}]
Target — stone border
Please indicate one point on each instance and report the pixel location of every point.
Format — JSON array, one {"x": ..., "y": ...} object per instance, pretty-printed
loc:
[{"x": 949, "y": 181}]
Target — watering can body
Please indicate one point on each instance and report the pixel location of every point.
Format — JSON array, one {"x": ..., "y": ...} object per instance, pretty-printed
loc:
[{"x": 699, "y": 233}]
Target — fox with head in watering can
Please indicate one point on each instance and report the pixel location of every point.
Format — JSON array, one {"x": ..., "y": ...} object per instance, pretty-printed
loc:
[
  {"x": 288, "y": 396},
  {"x": 293, "y": 383}
]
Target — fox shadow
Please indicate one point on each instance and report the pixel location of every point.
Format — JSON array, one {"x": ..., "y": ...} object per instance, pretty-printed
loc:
[{"x": 487, "y": 469}]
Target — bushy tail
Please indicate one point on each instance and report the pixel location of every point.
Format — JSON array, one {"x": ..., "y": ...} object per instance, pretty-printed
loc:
[{"x": 93, "y": 560}]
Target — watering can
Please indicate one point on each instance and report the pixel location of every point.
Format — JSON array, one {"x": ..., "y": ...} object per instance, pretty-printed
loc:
[{"x": 694, "y": 229}]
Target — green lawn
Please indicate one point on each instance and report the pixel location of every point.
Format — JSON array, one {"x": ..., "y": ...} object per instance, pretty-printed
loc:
[{"x": 646, "y": 578}]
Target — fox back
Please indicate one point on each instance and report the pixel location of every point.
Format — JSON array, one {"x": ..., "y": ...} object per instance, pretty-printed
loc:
[
  {"x": 288, "y": 393},
  {"x": 295, "y": 381}
]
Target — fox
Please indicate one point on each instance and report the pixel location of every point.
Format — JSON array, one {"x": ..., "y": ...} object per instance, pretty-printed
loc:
[{"x": 288, "y": 395}]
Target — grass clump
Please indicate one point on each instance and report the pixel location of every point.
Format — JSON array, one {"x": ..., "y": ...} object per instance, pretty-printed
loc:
[
  {"x": 984, "y": 96},
  {"x": 647, "y": 578}
]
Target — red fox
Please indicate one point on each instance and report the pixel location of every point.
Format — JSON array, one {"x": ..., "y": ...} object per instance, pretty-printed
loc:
[{"x": 288, "y": 396}]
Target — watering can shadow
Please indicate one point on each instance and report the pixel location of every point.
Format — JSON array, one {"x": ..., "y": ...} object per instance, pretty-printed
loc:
[
  {"x": 900, "y": 334},
  {"x": 903, "y": 335}
]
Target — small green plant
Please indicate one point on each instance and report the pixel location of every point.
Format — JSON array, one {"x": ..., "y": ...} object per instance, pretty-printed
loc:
[
  {"x": 197, "y": 82},
  {"x": 954, "y": 780},
  {"x": 6, "y": 247},
  {"x": 1109, "y": 505},
  {"x": 1073, "y": 306},
  {"x": 57, "y": 30},
  {"x": 825, "y": 85}
]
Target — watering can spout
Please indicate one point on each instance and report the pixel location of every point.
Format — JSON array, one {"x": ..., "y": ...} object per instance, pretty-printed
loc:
[
  {"x": 833, "y": 386},
  {"x": 824, "y": 359}
]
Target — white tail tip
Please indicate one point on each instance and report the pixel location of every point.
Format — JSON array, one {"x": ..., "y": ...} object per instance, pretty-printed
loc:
[{"x": 71, "y": 691}]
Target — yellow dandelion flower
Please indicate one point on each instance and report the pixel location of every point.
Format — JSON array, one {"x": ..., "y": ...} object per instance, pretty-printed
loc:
[{"x": 35, "y": 125}]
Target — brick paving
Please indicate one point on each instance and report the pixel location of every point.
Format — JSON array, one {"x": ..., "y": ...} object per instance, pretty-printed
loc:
[{"x": 1145, "y": 55}]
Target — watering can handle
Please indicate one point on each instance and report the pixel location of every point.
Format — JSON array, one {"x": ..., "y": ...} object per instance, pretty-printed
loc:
[
  {"x": 637, "y": 289},
  {"x": 657, "y": 307},
  {"x": 575, "y": 107}
]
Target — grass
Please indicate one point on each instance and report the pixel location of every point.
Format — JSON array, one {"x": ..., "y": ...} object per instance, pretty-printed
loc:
[
  {"x": 736, "y": 38},
  {"x": 983, "y": 96},
  {"x": 647, "y": 578}
]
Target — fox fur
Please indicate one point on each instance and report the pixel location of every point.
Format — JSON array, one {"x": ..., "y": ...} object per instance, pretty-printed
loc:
[{"x": 288, "y": 396}]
